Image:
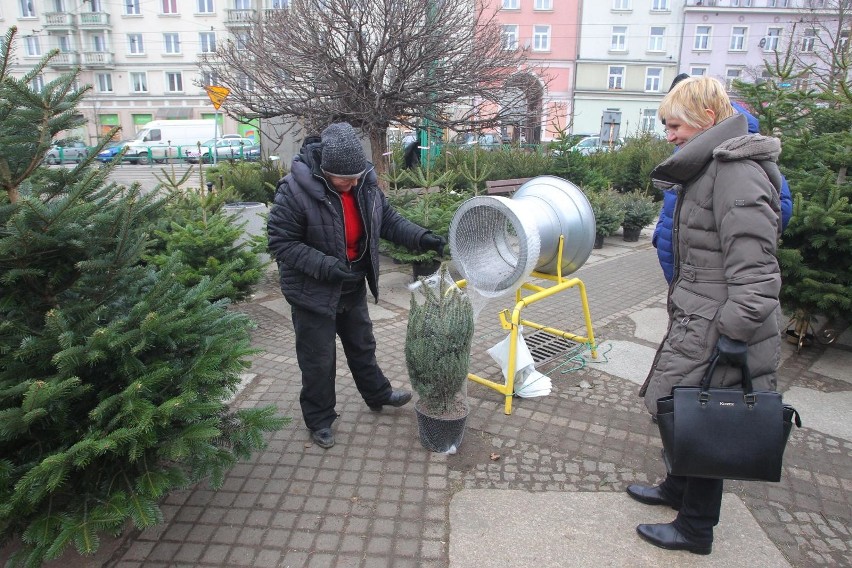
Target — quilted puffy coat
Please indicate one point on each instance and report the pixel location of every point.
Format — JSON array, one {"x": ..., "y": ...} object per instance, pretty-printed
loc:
[
  {"x": 662, "y": 238},
  {"x": 306, "y": 234},
  {"x": 726, "y": 278}
]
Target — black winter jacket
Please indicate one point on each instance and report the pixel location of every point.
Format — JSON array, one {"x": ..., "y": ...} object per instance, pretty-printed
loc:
[{"x": 307, "y": 238}]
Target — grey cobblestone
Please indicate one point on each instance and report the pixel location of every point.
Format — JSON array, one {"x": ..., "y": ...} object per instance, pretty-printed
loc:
[{"x": 378, "y": 499}]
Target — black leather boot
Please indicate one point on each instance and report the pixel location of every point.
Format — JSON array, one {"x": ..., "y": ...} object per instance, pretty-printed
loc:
[
  {"x": 397, "y": 398},
  {"x": 650, "y": 496},
  {"x": 667, "y": 536}
]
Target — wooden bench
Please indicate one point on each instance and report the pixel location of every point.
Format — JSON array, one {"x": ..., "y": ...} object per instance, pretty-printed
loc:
[{"x": 504, "y": 186}]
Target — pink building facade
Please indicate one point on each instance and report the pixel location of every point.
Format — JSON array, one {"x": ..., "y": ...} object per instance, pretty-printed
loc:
[{"x": 548, "y": 30}]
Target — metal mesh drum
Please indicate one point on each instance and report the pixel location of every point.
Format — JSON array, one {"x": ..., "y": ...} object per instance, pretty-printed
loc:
[{"x": 497, "y": 242}]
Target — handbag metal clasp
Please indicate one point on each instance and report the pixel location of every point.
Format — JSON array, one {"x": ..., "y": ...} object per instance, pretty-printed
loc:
[
  {"x": 750, "y": 400},
  {"x": 703, "y": 398}
]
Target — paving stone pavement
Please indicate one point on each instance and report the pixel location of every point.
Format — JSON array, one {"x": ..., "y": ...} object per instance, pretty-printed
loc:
[{"x": 378, "y": 499}]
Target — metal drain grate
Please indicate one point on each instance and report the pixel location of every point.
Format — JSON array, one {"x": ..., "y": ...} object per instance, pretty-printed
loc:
[{"x": 545, "y": 347}]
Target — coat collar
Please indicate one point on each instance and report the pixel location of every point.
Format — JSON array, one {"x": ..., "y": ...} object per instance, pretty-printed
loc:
[{"x": 691, "y": 158}]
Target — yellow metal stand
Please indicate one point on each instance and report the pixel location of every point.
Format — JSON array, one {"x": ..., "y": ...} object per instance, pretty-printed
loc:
[{"x": 514, "y": 323}]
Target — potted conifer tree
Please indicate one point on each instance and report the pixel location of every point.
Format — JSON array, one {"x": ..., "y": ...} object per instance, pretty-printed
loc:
[
  {"x": 639, "y": 211},
  {"x": 437, "y": 353}
]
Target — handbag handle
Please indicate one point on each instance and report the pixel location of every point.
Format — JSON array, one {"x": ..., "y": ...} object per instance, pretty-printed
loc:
[{"x": 705, "y": 382}]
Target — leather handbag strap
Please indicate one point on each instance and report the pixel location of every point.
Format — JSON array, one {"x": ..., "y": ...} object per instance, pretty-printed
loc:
[{"x": 705, "y": 381}]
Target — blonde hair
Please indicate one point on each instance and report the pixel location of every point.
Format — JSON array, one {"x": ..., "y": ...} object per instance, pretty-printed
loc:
[{"x": 689, "y": 99}]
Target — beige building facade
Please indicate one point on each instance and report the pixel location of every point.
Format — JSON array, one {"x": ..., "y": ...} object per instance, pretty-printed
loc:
[{"x": 140, "y": 56}]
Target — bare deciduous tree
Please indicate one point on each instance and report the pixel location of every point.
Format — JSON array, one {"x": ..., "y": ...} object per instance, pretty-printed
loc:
[
  {"x": 825, "y": 46},
  {"x": 373, "y": 63}
]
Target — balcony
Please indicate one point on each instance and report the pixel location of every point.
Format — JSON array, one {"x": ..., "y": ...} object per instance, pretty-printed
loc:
[
  {"x": 58, "y": 21},
  {"x": 94, "y": 20},
  {"x": 240, "y": 18},
  {"x": 98, "y": 60},
  {"x": 65, "y": 60}
]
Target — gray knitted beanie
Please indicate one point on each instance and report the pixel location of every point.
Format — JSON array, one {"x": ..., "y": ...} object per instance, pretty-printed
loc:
[{"x": 342, "y": 154}]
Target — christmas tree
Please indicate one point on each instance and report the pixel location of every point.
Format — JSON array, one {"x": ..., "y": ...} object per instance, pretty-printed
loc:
[{"x": 113, "y": 374}]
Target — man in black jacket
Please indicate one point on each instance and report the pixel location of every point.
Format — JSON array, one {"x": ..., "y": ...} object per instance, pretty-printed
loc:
[{"x": 324, "y": 230}]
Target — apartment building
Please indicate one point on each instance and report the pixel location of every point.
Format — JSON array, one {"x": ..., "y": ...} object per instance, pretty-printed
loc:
[
  {"x": 548, "y": 30},
  {"x": 628, "y": 57},
  {"x": 731, "y": 39},
  {"x": 140, "y": 56}
]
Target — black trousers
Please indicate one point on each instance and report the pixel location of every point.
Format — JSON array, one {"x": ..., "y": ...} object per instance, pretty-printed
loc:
[
  {"x": 316, "y": 353},
  {"x": 701, "y": 502}
]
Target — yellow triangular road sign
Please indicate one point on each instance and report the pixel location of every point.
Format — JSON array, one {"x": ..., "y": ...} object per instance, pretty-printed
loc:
[{"x": 217, "y": 95}]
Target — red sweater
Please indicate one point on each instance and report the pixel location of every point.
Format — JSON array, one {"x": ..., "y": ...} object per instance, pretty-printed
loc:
[{"x": 352, "y": 223}]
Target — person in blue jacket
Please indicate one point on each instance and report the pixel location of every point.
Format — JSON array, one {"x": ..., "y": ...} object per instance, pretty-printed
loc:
[{"x": 662, "y": 239}]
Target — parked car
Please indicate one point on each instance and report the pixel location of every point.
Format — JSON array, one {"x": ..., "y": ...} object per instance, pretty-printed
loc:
[
  {"x": 226, "y": 149},
  {"x": 592, "y": 145},
  {"x": 486, "y": 141},
  {"x": 111, "y": 150},
  {"x": 66, "y": 151}
]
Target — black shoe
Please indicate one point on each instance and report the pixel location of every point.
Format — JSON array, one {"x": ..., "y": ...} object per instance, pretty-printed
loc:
[
  {"x": 324, "y": 437},
  {"x": 650, "y": 496},
  {"x": 667, "y": 536},
  {"x": 397, "y": 398}
]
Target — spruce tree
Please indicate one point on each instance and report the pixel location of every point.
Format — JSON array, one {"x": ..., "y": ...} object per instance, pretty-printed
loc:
[
  {"x": 113, "y": 374},
  {"x": 815, "y": 252}
]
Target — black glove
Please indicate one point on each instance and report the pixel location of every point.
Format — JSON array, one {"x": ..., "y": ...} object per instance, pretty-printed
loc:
[
  {"x": 341, "y": 273},
  {"x": 431, "y": 241},
  {"x": 731, "y": 351}
]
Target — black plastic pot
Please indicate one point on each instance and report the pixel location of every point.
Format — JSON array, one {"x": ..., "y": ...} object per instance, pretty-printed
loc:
[
  {"x": 631, "y": 235},
  {"x": 438, "y": 433}
]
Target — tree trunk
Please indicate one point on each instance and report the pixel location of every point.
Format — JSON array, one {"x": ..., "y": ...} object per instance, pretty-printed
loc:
[{"x": 379, "y": 146}]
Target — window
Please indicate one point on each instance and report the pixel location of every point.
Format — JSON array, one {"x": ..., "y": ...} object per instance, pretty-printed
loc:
[
  {"x": 620, "y": 5},
  {"x": 730, "y": 75},
  {"x": 169, "y": 6},
  {"x": 174, "y": 82},
  {"x": 511, "y": 4},
  {"x": 541, "y": 38},
  {"x": 139, "y": 82},
  {"x": 653, "y": 76},
  {"x": 32, "y": 46},
  {"x": 809, "y": 40},
  {"x": 698, "y": 71},
  {"x": 135, "y": 44},
  {"x": 659, "y": 5},
  {"x": 280, "y": 4},
  {"x": 207, "y": 42},
  {"x": 99, "y": 43},
  {"x": 241, "y": 40},
  {"x": 844, "y": 40},
  {"x": 738, "y": 38},
  {"x": 59, "y": 5},
  {"x": 803, "y": 82},
  {"x": 171, "y": 43},
  {"x": 656, "y": 41},
  {"x": 27, "y": 8},
  {"x": 702, "y": 37},
  {"x": 205, "y": 6},
  {"x": 243, "y": 5},
  {"x": 649, "y": 119},
  {"x": 37, "y": 84},
  {"x": 770, "y": 43},
  {"x": 103, "y": 81},
  {"x": 209, "y": 79},
  {"x": 619, "y": 38},
  {"x": 131, "y": 8},
  {"x": 510, "y": 37},
  {"x": 64, "y": 43},
  {"x": 245, "y": 83},
  {"x": 616, "y": 77},
  {"x": 543, "y": 5}
]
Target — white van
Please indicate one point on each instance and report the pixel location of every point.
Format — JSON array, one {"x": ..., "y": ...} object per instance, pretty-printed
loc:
[{"x": 160, "y": 139}]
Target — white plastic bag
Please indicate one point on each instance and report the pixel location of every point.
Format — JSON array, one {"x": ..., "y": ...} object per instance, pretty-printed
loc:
[{"x": 528, "y": 382}]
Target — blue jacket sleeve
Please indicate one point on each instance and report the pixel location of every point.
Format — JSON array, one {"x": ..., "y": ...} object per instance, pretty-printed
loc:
[{"x": 786, "y": 203}]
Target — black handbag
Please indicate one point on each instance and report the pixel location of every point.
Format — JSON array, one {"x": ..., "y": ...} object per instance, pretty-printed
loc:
[{"x": 725, "y": 433}]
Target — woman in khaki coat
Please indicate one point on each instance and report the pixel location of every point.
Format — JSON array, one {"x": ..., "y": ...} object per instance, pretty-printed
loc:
[{"x": 724, "y": 294}]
